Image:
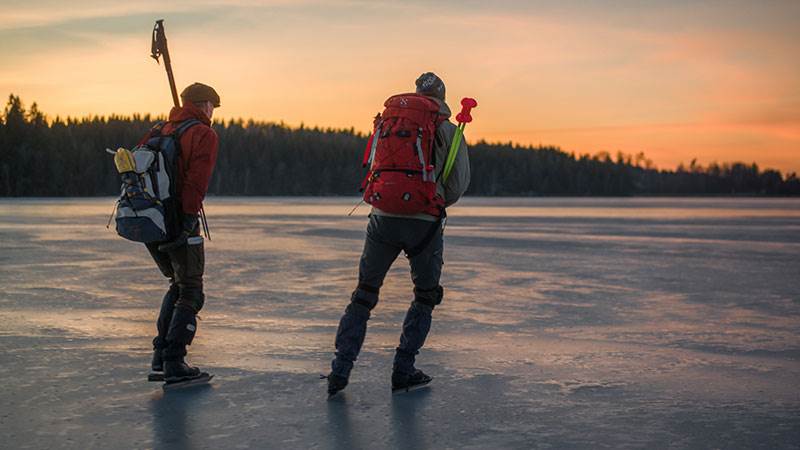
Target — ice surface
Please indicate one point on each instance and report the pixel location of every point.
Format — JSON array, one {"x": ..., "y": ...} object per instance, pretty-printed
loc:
[{"x": 580, "y": 323}]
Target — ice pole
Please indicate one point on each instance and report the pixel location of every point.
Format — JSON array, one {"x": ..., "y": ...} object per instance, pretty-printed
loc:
[{"x": 463, "y": 119}]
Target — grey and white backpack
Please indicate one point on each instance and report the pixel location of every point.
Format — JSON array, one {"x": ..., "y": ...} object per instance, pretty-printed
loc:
[{"x": 148, "y": 208}]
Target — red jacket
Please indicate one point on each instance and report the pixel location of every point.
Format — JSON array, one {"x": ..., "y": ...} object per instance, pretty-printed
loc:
[{"x": 199, "y": 145}]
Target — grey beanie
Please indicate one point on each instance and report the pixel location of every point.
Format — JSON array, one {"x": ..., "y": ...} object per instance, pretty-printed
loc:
[{"x": 430, "y": 84}]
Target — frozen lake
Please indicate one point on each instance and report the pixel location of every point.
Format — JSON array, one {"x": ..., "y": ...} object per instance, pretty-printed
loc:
[{"x": 579, "y": 323}]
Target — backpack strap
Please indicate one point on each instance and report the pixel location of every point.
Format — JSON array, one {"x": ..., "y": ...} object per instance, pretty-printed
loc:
[
  {"x": 421, "y": 157},
  {"x": 185, "y": 125},
  {"x": 178, "y": 132},
  {"x": 158, "y": 126},
  {"x": 154, "y": 131},
  {"x": 426, "y": 241}
]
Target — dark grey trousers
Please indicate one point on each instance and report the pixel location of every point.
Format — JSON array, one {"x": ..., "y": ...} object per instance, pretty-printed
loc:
[
  {"x": 177, "y": 321},
  {"x": 386, "y": 238}
]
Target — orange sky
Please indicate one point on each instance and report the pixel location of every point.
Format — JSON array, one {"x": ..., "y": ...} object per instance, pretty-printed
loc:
[{"x": 716, "y": 81}]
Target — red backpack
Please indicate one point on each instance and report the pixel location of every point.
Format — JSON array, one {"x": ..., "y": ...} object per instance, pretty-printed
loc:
[{"x": 401, "y": 177}]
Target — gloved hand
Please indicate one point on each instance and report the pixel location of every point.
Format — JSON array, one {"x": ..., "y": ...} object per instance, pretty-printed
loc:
[{"x": 188, "y": 225}]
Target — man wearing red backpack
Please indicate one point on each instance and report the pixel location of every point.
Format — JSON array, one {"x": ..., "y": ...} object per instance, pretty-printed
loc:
[
  {"x": 182, "y": 259},
  {"x": 406, "y": 155}
]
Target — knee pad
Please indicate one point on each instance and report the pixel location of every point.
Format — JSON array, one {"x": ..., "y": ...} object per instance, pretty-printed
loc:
[
  {"x": 183, "y": 326},
  {"x": 429, "y": 297},
  {"x": 366, "y": 296},
  {"x": 191, "y": 298}
]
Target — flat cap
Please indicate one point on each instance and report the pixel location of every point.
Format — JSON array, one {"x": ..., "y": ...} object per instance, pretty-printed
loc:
[{"x": 199, "y": 92}]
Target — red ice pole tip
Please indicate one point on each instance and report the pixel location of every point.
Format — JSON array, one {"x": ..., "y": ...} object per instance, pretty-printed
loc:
[{"x": 466, "y": 105}]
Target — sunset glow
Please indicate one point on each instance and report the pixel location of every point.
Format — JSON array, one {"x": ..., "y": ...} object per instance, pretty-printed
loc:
[{"x": 715, "y": 81}]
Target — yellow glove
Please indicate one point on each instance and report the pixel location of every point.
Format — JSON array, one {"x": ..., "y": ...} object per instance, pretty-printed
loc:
[{"x": 123, "y": 159}]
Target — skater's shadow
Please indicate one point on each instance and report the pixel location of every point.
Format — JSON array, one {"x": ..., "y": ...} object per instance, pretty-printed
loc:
[
  {"x": 172, "y": 416},
  {"x": 340, "y": 428},
  {"x": 408, "y": 411}
]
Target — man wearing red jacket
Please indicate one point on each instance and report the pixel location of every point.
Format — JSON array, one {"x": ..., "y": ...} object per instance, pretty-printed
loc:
[{"x": 182, "y": 259}]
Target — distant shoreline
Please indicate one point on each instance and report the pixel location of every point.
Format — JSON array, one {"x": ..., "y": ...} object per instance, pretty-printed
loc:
[{"x": 66, "y": 157}]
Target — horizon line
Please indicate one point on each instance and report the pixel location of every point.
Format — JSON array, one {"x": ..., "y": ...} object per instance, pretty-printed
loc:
[{"x": 482, "y": 140}]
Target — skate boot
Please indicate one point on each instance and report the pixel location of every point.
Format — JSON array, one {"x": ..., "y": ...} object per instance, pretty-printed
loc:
[
  {"x": 178, "y": 374},
  {"x": 403, "y": 382},
  {"x": 178, "y": 370},
  {"x": 156, "y": 367},
  {"x": 335, "y": 384}
]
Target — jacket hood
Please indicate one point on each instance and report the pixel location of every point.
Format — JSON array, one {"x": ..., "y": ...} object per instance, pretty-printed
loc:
[
  {"x": 186, "y": 112},
  {"x": 444, "y": 110}
]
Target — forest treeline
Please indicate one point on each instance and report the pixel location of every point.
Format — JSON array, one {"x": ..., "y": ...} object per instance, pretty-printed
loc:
[{"x": 66, "y": 157}]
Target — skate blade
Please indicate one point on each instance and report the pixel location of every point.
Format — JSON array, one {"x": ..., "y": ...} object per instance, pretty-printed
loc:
[
  {"x": 155, "y": 376},
  {"x": 201, "y": 380},
  {"x": 416, "y": 387}
]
